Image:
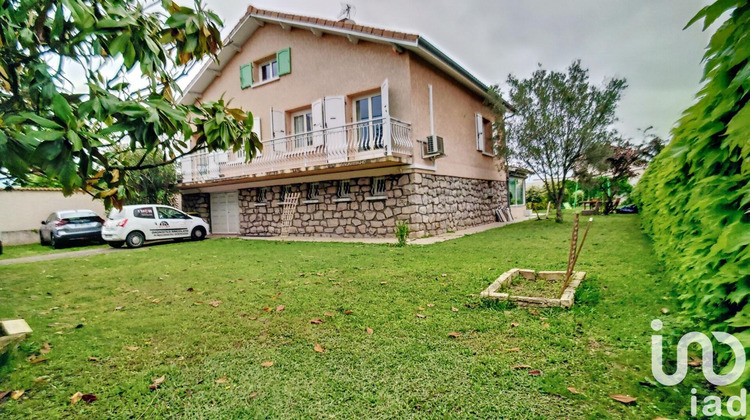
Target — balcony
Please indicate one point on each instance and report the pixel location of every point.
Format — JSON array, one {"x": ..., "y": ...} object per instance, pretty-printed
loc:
[{"x": 376, "y": 143}]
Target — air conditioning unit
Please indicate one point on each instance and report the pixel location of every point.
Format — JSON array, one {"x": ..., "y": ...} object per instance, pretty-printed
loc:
[{"x": 433, "y": 147}]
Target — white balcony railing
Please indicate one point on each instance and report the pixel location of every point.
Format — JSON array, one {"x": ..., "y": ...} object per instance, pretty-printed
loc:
[{"x": 350, "y": 143}]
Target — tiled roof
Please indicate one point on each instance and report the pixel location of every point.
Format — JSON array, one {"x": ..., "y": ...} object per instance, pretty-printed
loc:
[{"x": 341, "y": 24}]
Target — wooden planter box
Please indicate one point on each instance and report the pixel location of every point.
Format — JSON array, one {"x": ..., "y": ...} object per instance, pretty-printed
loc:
[{"x": 517, "y": 274}]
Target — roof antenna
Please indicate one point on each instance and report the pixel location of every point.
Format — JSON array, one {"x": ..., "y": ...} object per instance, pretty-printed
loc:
[{"x": 347, "y": 13}]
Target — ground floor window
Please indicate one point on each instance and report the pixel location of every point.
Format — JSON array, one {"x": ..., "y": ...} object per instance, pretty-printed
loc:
[
  {"x": 378, "y": 187},
  {"x": 313, "y": 192},
  {"x": 517, "y": 191},
  {"x": 261, "y": 197},
  {"x": 344, "y": 189},
  {"x": 285, "y": 191}
]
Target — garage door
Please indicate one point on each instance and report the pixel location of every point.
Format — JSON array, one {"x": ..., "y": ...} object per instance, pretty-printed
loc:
[{"x": 225, "y": 213}]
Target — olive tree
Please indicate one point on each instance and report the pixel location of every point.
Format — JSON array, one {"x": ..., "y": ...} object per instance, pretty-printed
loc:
[{"x": 558, "y": 121}]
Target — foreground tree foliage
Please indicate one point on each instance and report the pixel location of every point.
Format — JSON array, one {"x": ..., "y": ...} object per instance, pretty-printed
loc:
[
  {"x": 51, "y": 128},
  {"x": 695, "y": 195},
  {"x": 559, "y": 121}
]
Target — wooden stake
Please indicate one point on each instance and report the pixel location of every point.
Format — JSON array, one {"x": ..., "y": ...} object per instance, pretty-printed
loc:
[
  {"x": 578, "y": 253},
  {"x": 573, "y": 248}
]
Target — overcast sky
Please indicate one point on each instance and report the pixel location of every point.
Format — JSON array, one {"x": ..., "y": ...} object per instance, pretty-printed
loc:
[{"x": 640, "y": 40}]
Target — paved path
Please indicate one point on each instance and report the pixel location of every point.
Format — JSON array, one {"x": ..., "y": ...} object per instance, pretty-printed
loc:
[{"x": 57, "y": 256}]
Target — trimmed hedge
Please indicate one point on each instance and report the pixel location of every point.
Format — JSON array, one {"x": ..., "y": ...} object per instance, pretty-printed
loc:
[{"x": 695, "y": 196}]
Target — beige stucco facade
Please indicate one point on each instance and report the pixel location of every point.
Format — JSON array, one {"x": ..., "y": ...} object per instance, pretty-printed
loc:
[{"x": 21, "y": 211}]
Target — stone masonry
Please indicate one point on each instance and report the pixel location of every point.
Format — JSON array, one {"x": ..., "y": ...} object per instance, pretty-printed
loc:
[
  {"x": 198, "y": 205},
  {"x": 432, "y": 205}
]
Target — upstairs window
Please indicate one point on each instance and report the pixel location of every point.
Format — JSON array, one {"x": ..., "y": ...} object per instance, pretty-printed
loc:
[{"x": 269, "y": 70}]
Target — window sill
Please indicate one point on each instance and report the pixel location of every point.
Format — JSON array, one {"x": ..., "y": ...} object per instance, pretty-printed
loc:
[
  {"x": 376, "y": 198},
  {"x": 265, "y": 82},
  {"x": 311, "y": 202},
  {"x": 489, "y": 154},
  {"x": 342, "y": 200}
]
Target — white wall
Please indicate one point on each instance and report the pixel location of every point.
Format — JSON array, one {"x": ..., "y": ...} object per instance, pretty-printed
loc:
[{"x": 22, "y": 210}]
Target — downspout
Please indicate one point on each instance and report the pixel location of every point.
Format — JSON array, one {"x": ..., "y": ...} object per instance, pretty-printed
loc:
[{"x": 432, "y": 133}]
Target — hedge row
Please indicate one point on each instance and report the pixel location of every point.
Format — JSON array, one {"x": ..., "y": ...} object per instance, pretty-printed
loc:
[{"x": 695, "y": 196}]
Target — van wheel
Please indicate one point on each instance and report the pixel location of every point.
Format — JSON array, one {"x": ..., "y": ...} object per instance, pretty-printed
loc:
[
  {"x": 198, "y": 234},
  {"x": 135, "y": 240},
  {"x": 116, "y": 244}
]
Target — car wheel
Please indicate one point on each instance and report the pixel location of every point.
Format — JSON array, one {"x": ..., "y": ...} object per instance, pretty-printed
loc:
[
  {"x": 55, "y": 242},
  {"x": 135, "y": 239},
  {"x": 116, "y": 244},
  {"x": 198, "y": 234},
  {"x": 41, "y": 239}
]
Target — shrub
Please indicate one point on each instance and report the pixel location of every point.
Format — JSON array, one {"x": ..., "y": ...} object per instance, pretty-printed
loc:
[
  {"x": 402, "y": 232},
  {"x": 695, "y": 196}
]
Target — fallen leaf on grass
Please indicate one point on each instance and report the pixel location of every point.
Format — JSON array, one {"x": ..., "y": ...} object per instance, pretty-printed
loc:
[
  {"x": 421, "y": 308},
  {"x": 316, "y": 321},
  {"x": 42, "y": 379},
  {"x": 454, "y": 334},
  {"x": 454, "y": 309},
  {"x": 190, "y": 289},
  {"x": 574, "y": 391},
  {"x": 75, "y": 398},
  {"x": 267, "y": 309},
  {"x": 317, "y": 347},
  {"x": 215, "y": 303},
  {"x": 46, "y": 348},
  {"x": 535, "y": 372},
  {"x": 513, "y": 349},
  {"x": 664, "y": 311},
  {"x": 89, "y": 398},
  {"x": 545, "y": 325},
  {"x": 267, "y": 363},
  {"x": 15, "y": 395},
  {"x": 625, "y": 399},
  {"x": 348, "y": 312},
  {"x": 519, "y": 367},
  {"x": 132, "y": 348},
  {"x": 369, "y": 330},
  {"x": 430, "y": 305},
  {"x": 514, "y": 324},
  {"x": 383, "y": 283},
  {"x": 222, "y": 380},
  {"x": 34, "y": 360},
  {"x": 253, "y": 395},
  {"x": 4, "y": 394},
  {"x": 117, "y": 308},
  {"x": 158, "y": 381},
  {"x": 329, "y": 314},
  {"x": 93, "y": 359},
  {"x": 420, "y": 316},
  {"x": 156, "y": 300},
  {"x": 280, "y": 308}
]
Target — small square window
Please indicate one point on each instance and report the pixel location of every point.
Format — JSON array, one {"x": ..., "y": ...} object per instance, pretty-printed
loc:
[
  {"x": 313, "y": 192},
  {"x": 261, "y": 197},
  {"x": 344, "y": 189},
  {"x": 269, "y": 70},
  {"x": 378, "y": 187}
]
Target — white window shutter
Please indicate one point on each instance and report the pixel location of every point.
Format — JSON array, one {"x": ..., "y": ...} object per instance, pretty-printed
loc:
[
  {"x": 480, "y": 132},
  {"x": 256, "y": 130},
  {"x": 278, "y": 129},
  {"x": 317, "y": 122}
]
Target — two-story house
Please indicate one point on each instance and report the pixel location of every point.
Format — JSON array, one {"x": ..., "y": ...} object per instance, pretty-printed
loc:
[{"x": 370, "y": 126}]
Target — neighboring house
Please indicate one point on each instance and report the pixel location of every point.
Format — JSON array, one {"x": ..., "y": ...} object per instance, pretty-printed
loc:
[
  {"x": 345, "y": 113},
  {"x": 517, "y": 191},
  {"x": 23, "y": 209}
]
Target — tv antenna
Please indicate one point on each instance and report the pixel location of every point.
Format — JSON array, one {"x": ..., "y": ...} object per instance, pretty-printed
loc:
[{"x": 348, "y": 11}]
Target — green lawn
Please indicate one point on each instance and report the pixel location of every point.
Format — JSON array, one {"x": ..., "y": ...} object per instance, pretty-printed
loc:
[
  {"x": 408, "y": 367},
  {"x": 18, "y": 251}
]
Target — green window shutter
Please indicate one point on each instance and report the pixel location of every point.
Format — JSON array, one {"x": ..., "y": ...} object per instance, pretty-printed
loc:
[
  {"x": 284, "y": 59},
  {"x": 246, "y": 75}
]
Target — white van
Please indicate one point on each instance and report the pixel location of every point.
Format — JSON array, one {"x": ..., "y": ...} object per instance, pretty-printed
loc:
[{"x": 135, "y": 224}]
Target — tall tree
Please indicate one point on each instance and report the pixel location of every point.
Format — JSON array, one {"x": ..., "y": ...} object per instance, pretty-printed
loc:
[
  {"x": 132, "y": 57},
  {"x": 559, "y": 120}
]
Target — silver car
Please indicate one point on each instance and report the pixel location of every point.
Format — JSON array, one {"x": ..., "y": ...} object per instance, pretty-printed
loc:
[{"x": 66, "y": 226}]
